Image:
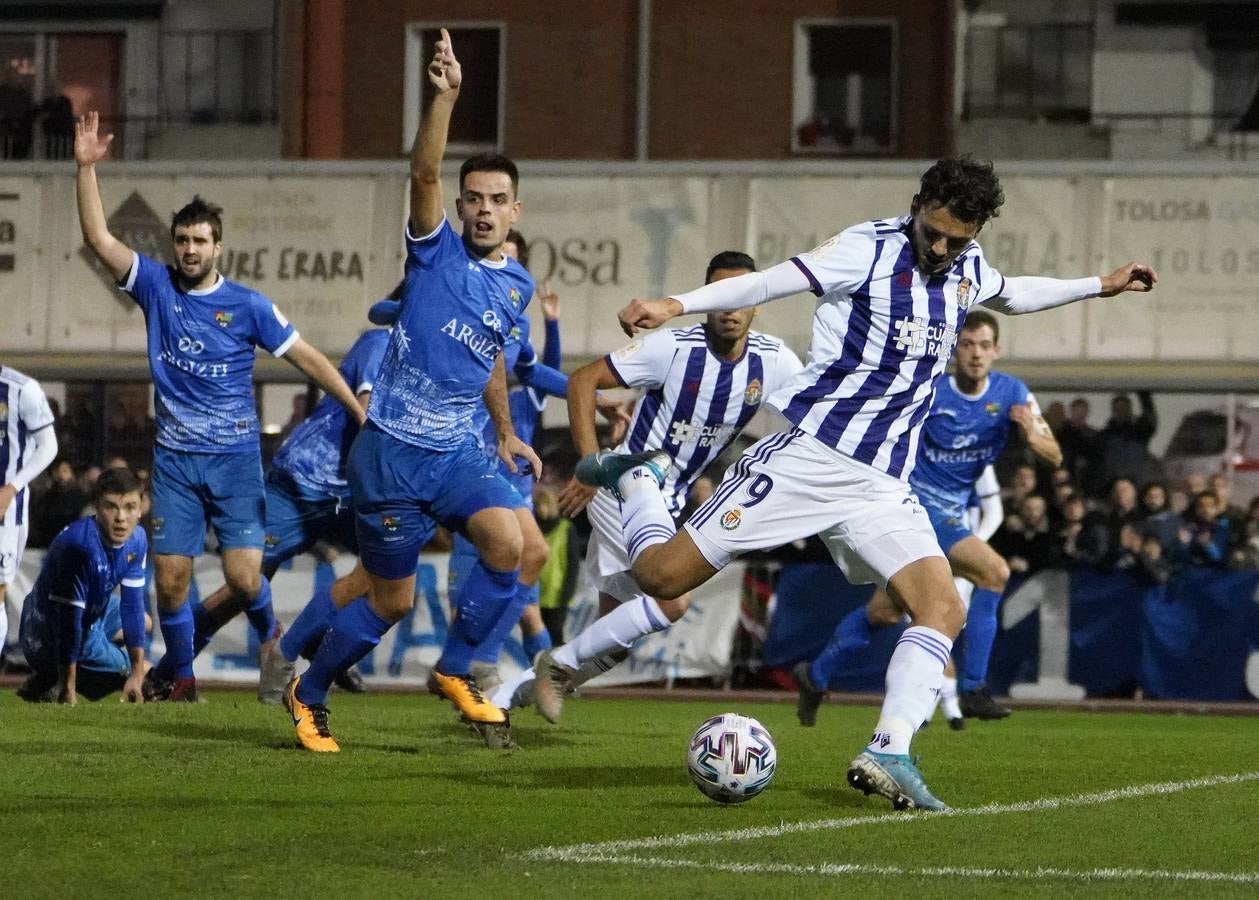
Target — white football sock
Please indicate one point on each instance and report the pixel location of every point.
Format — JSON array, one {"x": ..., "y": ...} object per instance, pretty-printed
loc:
[
  {"x": 4, "y": 628},
  {"x": 618, "y": 630},
  {"x": 948, "y": 698},
  {"x": 504, "y": 693},
  {"x": 645, "y": 519},
  {"x": 912, "y": 683}
]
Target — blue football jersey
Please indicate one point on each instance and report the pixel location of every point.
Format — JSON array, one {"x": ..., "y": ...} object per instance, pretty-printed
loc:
[
  {"x": 201, "y": 353},
  {"x": 81, "y": 569},
  {"x": 961, "y": 436},
  {"x": 314, "y": 453},
  {"x": 458, "y": 311}
]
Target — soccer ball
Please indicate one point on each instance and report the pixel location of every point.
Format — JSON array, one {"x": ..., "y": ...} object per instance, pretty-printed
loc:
[{"x": 731, "y": 758}]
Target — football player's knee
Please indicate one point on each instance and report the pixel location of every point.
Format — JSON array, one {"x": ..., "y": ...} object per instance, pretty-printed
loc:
[
  {"x": 244, "y": 583},
  {"x": 997, "y": 576},
  {"x": 172, "y": 590},
  {"x": 675, "y": 608},
  {"x": 953, "y": 614},
  {"x": 533, "y": 555},
  {"x": 503, "y": 551}
]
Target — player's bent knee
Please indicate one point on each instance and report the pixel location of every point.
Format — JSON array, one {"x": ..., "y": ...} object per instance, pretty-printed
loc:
[{"x": 675, "y": 608}]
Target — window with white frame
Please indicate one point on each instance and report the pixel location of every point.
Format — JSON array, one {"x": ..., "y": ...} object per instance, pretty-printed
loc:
[
  {"x": 844, "y": 86},
  {"x": 481, "y": 48}
]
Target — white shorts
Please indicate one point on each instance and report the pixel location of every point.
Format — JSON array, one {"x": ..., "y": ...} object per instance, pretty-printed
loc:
[
  {"x": 790, "y": 485},
  {"x": 605, "y": 554},
  {"x": 12, "y": 546}
]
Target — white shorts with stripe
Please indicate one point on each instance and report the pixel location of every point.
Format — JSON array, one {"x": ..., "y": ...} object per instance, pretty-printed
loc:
[
  {"x": 790, "y": 486},
  {"x": 606, "y": 556}
]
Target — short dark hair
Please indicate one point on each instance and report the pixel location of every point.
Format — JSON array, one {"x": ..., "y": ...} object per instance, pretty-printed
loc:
[
  {"x": 490, "y": 162},
  {"x": 197, "y": 211},
  {"x": 729, "y": 259},
  {"x": 978, "y": 319},
  {"x": 969, "y": 188},
  {"x": 522, "y": 246},
  {"x": 117, "y": 481}
]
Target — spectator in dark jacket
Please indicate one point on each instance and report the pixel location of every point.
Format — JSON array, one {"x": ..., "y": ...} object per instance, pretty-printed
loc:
[
  {"x": 1157, "y": 519},
  {"x": 1078, "y": 440},
  {"x": 1205, "y": 536},
  {"x": 1123, "y": 446},
  {"x": 1025, "y": 539}
]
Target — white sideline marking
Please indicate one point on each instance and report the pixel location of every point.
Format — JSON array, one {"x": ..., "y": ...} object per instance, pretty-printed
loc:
[
  {"x": 835, "y": 869},
  {"x": 590, "y": 851}
]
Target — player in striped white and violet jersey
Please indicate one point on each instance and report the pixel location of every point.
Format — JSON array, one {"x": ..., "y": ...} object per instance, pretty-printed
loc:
[
  {"x": 27, "y": 445},
  {"x": 892, "y": 295},
  {"x": 702, "y": 386}
]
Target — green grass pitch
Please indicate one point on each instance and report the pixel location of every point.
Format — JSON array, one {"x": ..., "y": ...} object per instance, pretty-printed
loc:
[{"x": 214, "y": 800}]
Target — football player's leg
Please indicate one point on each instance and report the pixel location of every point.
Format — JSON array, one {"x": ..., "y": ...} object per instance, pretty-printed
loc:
[{"x": 974, "y": 560}]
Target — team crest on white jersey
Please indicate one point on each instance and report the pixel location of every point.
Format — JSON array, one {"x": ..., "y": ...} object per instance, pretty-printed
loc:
[
  {"x": 752, "y": 396},
  {"x": 629, "y": 349},
  {"x": 4, "y": 412},
  {"x": 732, "y": 518},
  {"x": 963, "y": 293}
]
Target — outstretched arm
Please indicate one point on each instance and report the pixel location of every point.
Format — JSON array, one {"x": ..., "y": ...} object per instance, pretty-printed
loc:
[
  {"x": 320, "y": 370},
  {"x": 89, "y": 149},
  {"x": 781, "y": 280},
  {"x": 427, "y": 203},
  {"x": 1031, "y": 293}
]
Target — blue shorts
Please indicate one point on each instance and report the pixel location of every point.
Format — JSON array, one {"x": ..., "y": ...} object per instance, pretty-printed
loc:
[
  {"x": 189, "y": 488},
  {"x": 401, "y": 492},
  {"x": 949, "y": 529},
  {"x": 97, "y": 652},
  {"x": 297, "y": 517}
]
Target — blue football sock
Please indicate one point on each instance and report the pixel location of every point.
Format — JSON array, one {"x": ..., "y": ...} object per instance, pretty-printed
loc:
[
  {"x": 311, "y": 622},
  {"x": 977, "y": 639},
  {"x": 536, "y": 643},
  {"x": 352, "y": 635},
  {"x": 177, "y": 631},
  {"x": 204, "y": 627},
  {"x": 489, "y": 649},
  {"x": 852, "y": 633},
  {"x": 260, "y": 614},
  {"x": 485, "y": 596}
]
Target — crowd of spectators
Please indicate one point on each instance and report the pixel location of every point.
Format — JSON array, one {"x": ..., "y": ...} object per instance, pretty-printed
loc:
[{"x": 1108, "y": 505}]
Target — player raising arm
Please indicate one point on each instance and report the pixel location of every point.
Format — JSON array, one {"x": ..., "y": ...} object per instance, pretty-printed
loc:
[
  {"x": 202, "y": 334},
  {"x": 418, "y": 461}
]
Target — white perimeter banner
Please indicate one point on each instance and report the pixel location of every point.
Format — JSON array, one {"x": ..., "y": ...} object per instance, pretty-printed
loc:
[{"x": 696, "y": 646}]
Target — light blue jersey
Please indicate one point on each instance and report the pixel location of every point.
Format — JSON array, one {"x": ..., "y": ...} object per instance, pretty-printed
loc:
[
  {"x": 458, "y": 311},
  {"x": 314, "y": 454},
  {"x": 201, "y": 354},
  {"x": 961, "y": 436},
  {"x": 79, "y": 572}
]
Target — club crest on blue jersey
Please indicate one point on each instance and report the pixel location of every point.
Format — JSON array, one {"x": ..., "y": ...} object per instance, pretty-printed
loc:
[
  {"x": 391, "y": 523},
  {"x": 514, "y": 296},
  {"x": 752, "y": 395},
  {"x": 223, "y": 318},
  {"x": 992, "y": 407},
  {"x": 963, "y": 293}
]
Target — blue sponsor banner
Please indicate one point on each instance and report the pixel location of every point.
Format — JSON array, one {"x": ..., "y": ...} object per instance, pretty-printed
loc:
[{"x": 1190, "y": 639}]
